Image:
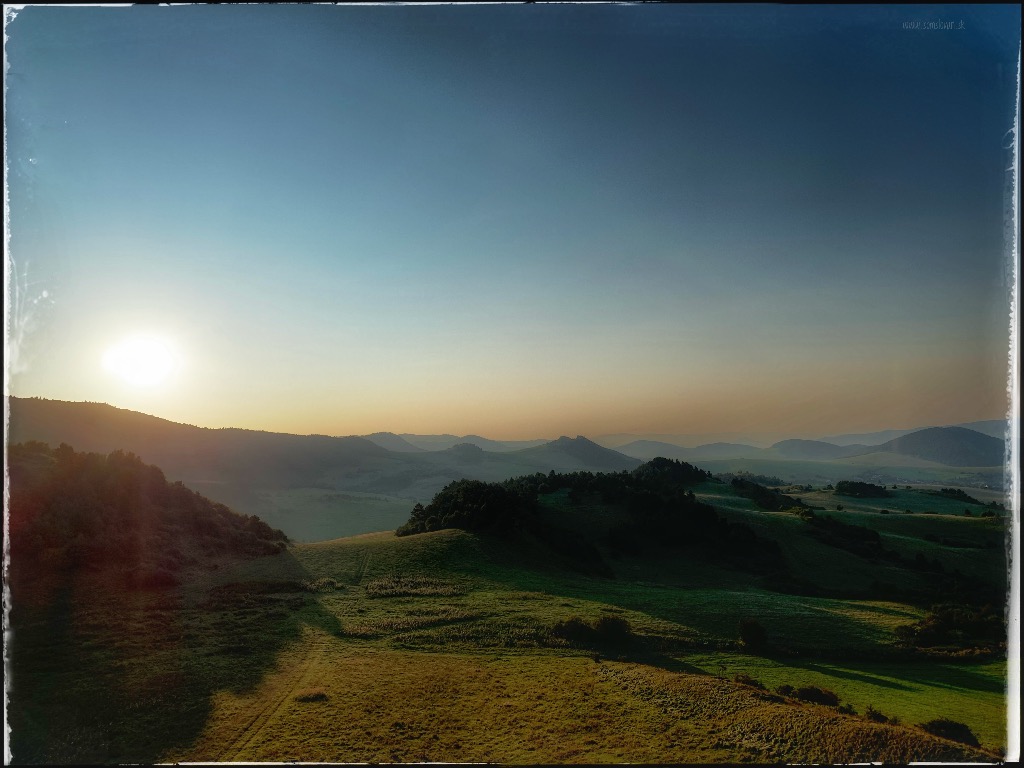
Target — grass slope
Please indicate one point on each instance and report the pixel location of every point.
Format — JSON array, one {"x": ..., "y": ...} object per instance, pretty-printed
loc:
[
  {"x": 441, "y": 647},
  {"x": 435, "y": 647}
]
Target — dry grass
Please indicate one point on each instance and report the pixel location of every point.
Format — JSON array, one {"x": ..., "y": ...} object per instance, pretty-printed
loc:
[
  {"x": 412, "y": 586},
  {"x": 380, "y": 705}
]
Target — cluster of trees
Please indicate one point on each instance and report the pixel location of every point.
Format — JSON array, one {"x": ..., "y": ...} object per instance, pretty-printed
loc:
[
  {"x": 504, "y": 509},
  {"x": 955, "y": 493},
  {"x": 956, "y": 626},
  {"x": 474, "y": 505},
  {"x": 656, "y": 505},
  {"x": 606, "y": 633},
  {"x": 859, "y": 490},
  {"x": 113, "y": 513},
  {"x": 728, "y": 477},
  {"x": 765, "y": 498}
]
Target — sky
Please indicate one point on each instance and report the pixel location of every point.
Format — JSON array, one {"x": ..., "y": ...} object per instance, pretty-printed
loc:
[{"x": 514, "y": 221}]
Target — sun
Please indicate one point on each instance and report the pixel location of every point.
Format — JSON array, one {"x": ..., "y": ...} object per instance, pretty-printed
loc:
[{"x": 142, "y": 361}]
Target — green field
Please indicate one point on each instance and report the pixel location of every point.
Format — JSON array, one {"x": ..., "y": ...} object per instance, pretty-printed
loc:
[{"x": 443, "y": 646}]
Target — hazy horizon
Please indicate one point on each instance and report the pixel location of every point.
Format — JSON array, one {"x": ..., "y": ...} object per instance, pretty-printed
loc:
[{"x": 512, "y": 221}]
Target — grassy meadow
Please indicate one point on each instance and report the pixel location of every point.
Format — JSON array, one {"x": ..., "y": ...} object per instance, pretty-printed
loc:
[{"x": 445, "y": 646}]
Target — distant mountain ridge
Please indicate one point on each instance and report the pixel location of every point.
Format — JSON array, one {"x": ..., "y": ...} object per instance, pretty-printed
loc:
[
  {"x": 649, "y": 449},
  {"x": 566, "y": 451},
  {"x": 991, "y": 427},
  {"x": 255, "y": 472},
  {"x": 948, "y": 446},
  {"x": 953, "y": 446},
  {"x": 816, "y": 450},
  {"x": 285, "y": 478},
  {"x": 446, "y": 441}
]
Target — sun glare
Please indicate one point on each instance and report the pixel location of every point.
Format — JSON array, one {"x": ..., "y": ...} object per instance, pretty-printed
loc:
[{"x": 142, "y": 361}]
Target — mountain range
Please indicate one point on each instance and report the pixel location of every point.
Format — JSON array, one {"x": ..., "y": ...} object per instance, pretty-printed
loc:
[
  {"x": 280, "y": 477},
  {"x": 949, "y": 446}
]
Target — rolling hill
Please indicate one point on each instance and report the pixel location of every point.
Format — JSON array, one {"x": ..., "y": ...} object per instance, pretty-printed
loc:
[
  {"x": 953, "y": 446},
  {"x": 480, "y": 646},
  {"x": 444, "y": 442},
  {"x": 315, "y": 487},
  {"x": 392, "y": 442},
  {"x": 576, "y": 452},
  {"x": 292, "y": 481}
]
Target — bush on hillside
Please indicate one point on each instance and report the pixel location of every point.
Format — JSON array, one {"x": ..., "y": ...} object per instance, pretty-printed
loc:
[
  {"x": 745, "y": 679},
  {"x": 816, "y": 695},
  {"x": 874, "y": 715},
  {"x": 607, "y": 632},
  {"x": 952, "y": 730}
]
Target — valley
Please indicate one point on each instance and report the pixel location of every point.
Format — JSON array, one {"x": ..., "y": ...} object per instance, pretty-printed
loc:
[{"x": 580, "y": 634}]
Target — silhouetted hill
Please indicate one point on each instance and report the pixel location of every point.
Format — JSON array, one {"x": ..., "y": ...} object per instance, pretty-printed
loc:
[
  {"x": 188, "y": 453},
  {"x": 953, "y": 446},
  {"x": 577, "y": 453},
  {"x": 392, "y": 442},
  {"x": 814, "y": 449},
  {"x": 991, "y": 427},
  {"x": 446, "y": 441}
]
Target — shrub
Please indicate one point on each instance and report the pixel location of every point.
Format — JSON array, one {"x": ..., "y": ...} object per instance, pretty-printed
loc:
[
  {"x": 816, "y": 695},
  {"x": 952, "y": 730},
  {"x": 323, "y": 584},
  {"x": 613, "y": 630},
  {"x": 785, "y": 689},
  {"x": 847, "y": 709},
  {"x": 748, "y": 680},
  {"x": 606, "y": 632},
  {"x": 753, "y": 636},
  {"x": 574, "y": 631},
  {"x": 875, "y": 716}
]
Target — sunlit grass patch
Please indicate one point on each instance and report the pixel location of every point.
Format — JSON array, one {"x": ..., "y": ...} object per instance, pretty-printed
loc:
[
  {"x": 323, "y": 584},
  {"x": 911, "y": 692},
  {"x": 412, "y": 586}
]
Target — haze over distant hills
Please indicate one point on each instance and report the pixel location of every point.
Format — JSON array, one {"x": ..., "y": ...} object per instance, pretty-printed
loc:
[
  {"x": 283, "y": 477},
  {"x": 949, "y": 446},
  {"x": 992, "y": 427},
  {"x": 409, "y": 443}
]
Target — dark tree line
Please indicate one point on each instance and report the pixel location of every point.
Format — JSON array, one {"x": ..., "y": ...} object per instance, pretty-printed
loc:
[
  {"x": 859, "y": 490},
  {"x": 765, "y": 498},
  {"x": 658, "y": 508}
]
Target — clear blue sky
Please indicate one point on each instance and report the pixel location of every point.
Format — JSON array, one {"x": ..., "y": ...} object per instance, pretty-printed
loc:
[{"x": 517, "y": 221}]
